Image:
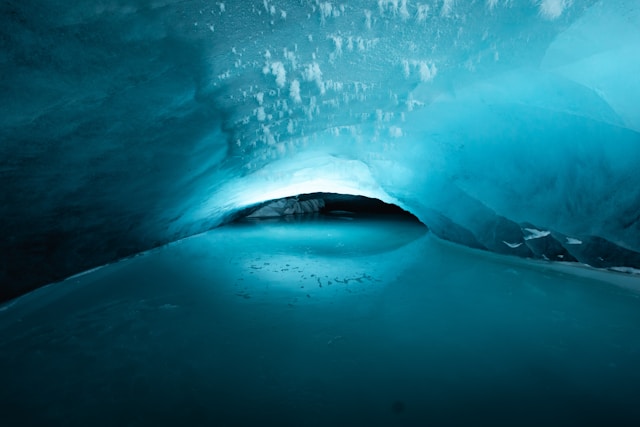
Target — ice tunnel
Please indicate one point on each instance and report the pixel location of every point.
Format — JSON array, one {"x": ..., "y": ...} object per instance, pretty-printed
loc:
[{"x": 314, "y": 213}]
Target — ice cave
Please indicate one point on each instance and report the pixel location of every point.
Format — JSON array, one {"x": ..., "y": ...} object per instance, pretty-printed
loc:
[{"x": 320, "y": 213}]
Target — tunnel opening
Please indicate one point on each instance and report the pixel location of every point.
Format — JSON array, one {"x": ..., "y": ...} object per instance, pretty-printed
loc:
[
  {"x": 321, "y": 206},
  {"x": 328, "y": 224}
]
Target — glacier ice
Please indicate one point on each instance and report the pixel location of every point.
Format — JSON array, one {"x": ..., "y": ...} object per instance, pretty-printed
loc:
[
  {"x": 129, "y": 124},
  {"x": 166, "y": 158}
]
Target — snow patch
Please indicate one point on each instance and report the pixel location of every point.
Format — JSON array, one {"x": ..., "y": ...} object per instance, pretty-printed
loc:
[
  {"x": 422, "y": 12},
  {"x": 294, "y": 91},
  {"x": 277, "y": 69},
  {"x": 291, "y": 57},
  {"x": 367, "y": 19},
  {"x": 512, "y": 245},
  {"x": 405, "y": 68},
  {"x": 552, "y": 9},
  {"x": 326, "y": 10},
  {"x": 337, "y": 42},
  {"x": 535, "y": 234},
  {"x": 403, "y": 12},
  {"x": 447, "y": 7},
  {"x": 427, "y": 71},
  {"x": 312, "y": 73},
  {"x": 394, "y": 7},
  {"x": 395, "y": 132},
  {"x": 628, "y": 270},
  {"x": 572, "y": 241}
]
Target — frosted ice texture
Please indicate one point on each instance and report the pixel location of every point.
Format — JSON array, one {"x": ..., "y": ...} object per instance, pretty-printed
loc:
[{"x": 127, "y": 125}]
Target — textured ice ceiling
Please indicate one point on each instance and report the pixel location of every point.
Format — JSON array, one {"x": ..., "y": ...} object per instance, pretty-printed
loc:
[{"x": 502, "y": 124}]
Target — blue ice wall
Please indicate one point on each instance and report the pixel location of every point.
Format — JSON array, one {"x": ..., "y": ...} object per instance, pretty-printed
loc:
[{"x": 511, "y": 126}]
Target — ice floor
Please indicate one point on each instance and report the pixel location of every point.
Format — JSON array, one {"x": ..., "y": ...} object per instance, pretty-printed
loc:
[{"x": 342, "y": 321}]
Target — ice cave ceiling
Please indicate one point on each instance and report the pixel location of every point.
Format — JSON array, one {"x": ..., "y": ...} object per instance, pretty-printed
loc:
[{"x": 509, "y": 125}]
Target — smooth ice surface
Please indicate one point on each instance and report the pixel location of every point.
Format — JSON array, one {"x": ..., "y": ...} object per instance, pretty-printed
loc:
[
  {"x": 316, "y": 321},
  {"x": 127, "y": 124}
]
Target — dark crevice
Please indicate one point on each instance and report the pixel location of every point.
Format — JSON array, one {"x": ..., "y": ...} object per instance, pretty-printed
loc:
[{"x": 326, "y": 205}]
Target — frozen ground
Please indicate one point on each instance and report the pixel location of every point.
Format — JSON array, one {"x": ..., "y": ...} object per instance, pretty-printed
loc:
[{"x": 320, "y": 321}]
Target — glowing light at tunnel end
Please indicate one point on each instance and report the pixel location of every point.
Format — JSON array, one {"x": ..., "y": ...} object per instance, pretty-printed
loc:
[{"x": 319, "y": 173}]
